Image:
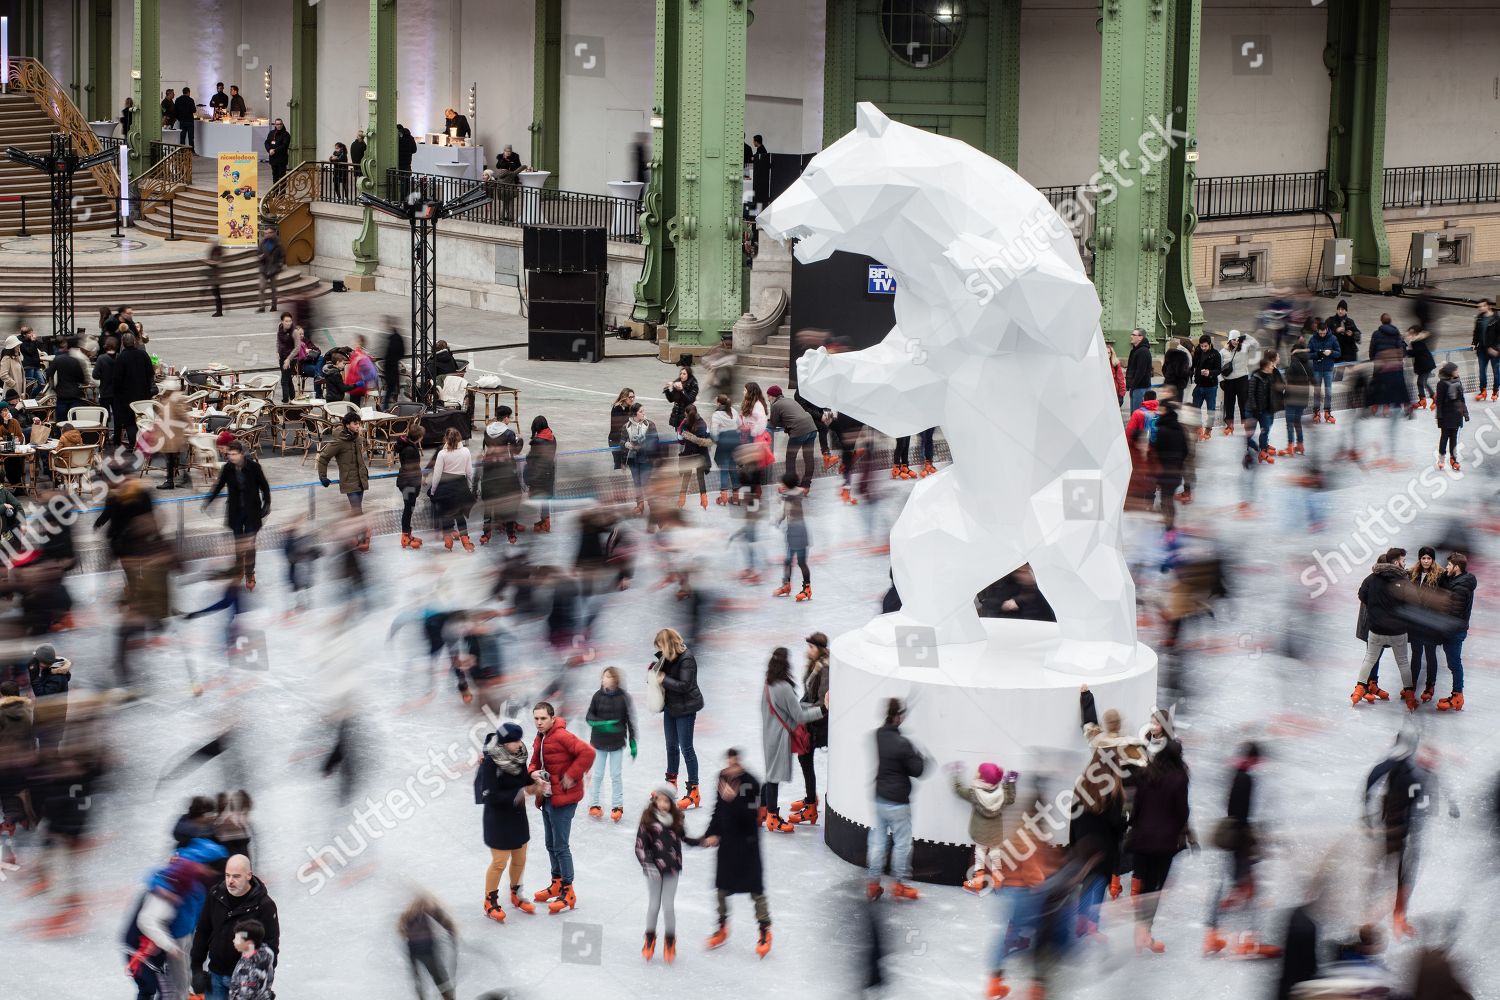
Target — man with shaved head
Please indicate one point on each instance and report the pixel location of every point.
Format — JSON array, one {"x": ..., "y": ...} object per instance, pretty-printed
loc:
[{"x": 240, "y": 896}]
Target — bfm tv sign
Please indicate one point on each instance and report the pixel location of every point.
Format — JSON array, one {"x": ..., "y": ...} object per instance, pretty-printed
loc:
[{"x": 881, "y": 281}]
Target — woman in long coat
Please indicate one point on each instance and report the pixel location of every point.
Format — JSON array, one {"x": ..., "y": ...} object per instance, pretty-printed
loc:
[
  {"x": 781, "y": 712},
  {"x": 502, "y": 784}
]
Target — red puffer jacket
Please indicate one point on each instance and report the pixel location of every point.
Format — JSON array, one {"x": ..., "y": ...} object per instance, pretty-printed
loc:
[{"x": 561, "y": 753}]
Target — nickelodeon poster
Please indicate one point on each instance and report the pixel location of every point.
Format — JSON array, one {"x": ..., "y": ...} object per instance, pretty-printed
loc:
[{"x": 239, "y": 201}]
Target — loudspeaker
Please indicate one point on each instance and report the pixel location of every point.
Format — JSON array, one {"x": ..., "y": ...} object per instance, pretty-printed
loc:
[
  {"x": 564, "y": 316},
  {"x": 565, "y": 345},
  {"x": 565, "y": 248},
  {"x": 563, "y": 286}
]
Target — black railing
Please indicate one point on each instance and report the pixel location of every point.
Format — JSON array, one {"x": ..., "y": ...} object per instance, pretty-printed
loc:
[
  {"x": 338, "y": 183},
  {"x": 161, "y": 150},
  {"x": 110, "y": 142},
  {"x": 1462, "y": 184},
  {"x": 518, "y": 205},
  {"x": 1253, "y": 195}
]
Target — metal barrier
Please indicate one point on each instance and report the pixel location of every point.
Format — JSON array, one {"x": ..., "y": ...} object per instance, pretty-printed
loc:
[
  {"x": 1463, "y": 184},
  {"x": 518, "y": 205},
  {"x": 1256, "y": 195}
]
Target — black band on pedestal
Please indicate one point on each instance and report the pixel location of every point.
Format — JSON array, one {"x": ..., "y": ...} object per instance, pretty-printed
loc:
[{"x": 931, "y": 861}]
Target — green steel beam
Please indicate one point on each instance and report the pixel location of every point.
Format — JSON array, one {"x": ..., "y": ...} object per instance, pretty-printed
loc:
[
  {"x": 1002, "y": 118},
  {"x": 75, "y": 68},
  {"x": 303, "y": 107},
  {"x": 380, "y": 133},
  {"x": 1181, "y": 314},
  {"x": 654, "y": 292},
  {"x": 708, "y": 229},
  {"x": 101, "y": 61},
  {"x": 1133, "y": 233},
  {"x": 145, "y": 84},
  {"x": 546, "y": 113},
  {"x": 840, "y": 58},
  {"x": 1356, "y": 57}
]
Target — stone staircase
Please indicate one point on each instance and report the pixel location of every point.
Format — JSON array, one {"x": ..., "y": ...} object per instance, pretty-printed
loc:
[
  {"x": 766, "y": 363},
  {"x": 28, "y": 127},
  {"x": 193, "y": 214},
  {"x": 171, "y": 286}
]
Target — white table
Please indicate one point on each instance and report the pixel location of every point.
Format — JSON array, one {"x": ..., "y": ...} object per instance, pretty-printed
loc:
[
  {"x": 456, "y": 169},
  {"x": 626, "y": 217},
  {"x": 531, "y": 205},
  {"x": 104, "y": 130},
  {"x": 429, "y": 157},
  {"x": 233, "y": 135},
  {"x": 172, "y": 135}
]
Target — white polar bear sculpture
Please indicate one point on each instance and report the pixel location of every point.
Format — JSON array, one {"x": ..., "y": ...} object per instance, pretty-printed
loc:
[{"x": 997, "y": 341}]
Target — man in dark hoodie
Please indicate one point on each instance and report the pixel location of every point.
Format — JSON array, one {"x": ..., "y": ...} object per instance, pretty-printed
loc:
[
  {"x": 1343, "y": 327},
  {"x": 1381, "y": 595},
  {"x": 239, "y": 896},
  {"x": 1460, "y": 584}
]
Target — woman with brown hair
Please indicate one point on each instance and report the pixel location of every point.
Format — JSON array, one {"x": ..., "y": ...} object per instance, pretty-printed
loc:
[
  {"x": 781, "y": 714},
  {"x": 814, "y": 692},
  {"x": 1427, "y": 577},
  {"x": 658, "y": 847},
  {"x": 754, "y": 455},
  {"x": 449, "y": 489},
  {"x": 683, "y": 701},
  {"x": 619, "y": 413},
  {"x": 1096, "y": 830}
]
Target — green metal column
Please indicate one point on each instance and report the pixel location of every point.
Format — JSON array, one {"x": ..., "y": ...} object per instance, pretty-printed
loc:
[
  {"x": 75, "y": 67},
  {"x": 101, "y": 61},
  {"x": 380, "y": 135},
  {"x": 708, "y": 229},
  {"x": 145, "y": 85},
  {"x": 1356, "y": 57},
  {"x": 654, "y": 292},
  {"x": 1181, "y": 313},
  {"x": 1002, "y": 120},
  {"x": 303, "y": 106},
  {"x": 840, "y": 55},
  {"x": 1133, "y": 227},
  {"x": 546, "y": 112}
]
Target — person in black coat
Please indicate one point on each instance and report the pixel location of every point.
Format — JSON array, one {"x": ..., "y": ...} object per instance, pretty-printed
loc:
[
  {"x": 249, "y": 505},
  {"x": 611, "y": 722},
  {"x": 1382, "y": 601},
  {"x": 1158, "y": 831},
  {"x": 540, "y": 474},
  {"x": 455, "y": 124},
  {"x": 278, "y": 149},
  {"x": 1095, "y": 834},
  {"x": 1460, "y": 584},
  {"x": 185, "y": 110},
  {"x": 104, "y": 374},
  {"x": 237, "y": 102},
  {"x": 1177, "y": 368},
  {"x": 681, "y": 393},
  {"x": 683, "y": 701},
  {"x": 390, "y": 368},
  {"x": 238, "y": 896},
  {"x": 68, "y": 377},
  {"x": 1207, "y": 362},
  {"x": 1017, "y": 596},
  {"x": 760, "y": 173},
  {"x": 1419, "y": 348},
  {"x": 1388, "y": 352},
  {"x": 1138, "y": 369},
  {"x": 134, "y": 381},
  {"x": 1450, "y": 410},
  {"x": 409, "y": 481},
  {"x": 406, "y": 148},
  {"x": 501, "y": 784},
  {"x": 735, "y": 830},
  {"x": 218, "y": 100},
  {"x": 1172, "y": 454}
]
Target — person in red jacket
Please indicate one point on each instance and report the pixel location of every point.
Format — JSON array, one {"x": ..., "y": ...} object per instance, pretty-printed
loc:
[{"x": 562, "y": 760}]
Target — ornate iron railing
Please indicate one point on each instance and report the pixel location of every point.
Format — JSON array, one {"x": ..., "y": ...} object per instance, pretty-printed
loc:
[
  {"x": 518, "y": 205},
  {"x": 25, "y": 74},
  {"x": 161, "y": 150},
  {"x": 1461, "y": 184},
  {"x": 163, "y": 179},
  {"x": 298, "y": 186},
  {"x": 1254, "y": 195}
]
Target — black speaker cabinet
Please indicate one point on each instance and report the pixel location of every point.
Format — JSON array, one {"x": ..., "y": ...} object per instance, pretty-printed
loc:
[
  {"x": 565, "y": 345},
  {"x": 565, "y": 248},
  {"x": 564, "y": 286}
]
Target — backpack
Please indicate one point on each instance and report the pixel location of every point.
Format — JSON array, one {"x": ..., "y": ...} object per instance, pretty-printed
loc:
[{"x": 1150, "y": 425}]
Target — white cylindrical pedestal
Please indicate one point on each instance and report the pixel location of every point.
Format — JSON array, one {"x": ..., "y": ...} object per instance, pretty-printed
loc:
[
  {"x": 625, "y": 220},
  {"x": 104, "y": 130},
  {"x": 985, "y": 701},
  {"x": 531, "y": 202}
]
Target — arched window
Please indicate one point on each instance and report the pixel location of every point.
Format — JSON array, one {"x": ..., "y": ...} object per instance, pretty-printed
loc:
[{"x": 922, "y": 32}]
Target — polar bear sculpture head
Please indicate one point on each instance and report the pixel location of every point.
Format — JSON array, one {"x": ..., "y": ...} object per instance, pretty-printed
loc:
[{"x": 966, "y": 236}]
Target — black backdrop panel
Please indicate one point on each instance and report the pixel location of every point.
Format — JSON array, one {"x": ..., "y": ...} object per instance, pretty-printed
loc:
[
  {"x": 833, "y": 295},
  {"x": 565, "y": 345}
]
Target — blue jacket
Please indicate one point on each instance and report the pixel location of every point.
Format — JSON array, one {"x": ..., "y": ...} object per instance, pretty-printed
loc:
[{"x": 1324, "y": 341}]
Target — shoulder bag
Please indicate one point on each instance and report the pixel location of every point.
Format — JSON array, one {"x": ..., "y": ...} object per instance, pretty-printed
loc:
[{"x": 801, "y": 740}]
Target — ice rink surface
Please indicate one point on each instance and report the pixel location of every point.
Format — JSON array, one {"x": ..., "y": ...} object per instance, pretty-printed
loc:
[{"x": 338, "y": 930}]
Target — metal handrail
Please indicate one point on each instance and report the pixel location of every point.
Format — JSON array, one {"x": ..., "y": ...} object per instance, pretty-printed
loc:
[
  {"x": 298, "y": 186},
  {"x": 1456, "y": 184},
  {"x": 163, "y": 179},
  {"x": 27, "y": 75},
  {"x": 513, "y": 204}
]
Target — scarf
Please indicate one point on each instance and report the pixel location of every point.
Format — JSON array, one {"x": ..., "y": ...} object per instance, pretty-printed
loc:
[
  {"x": 665, "y": 819},
  {"x": 510, "y": 762}
]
